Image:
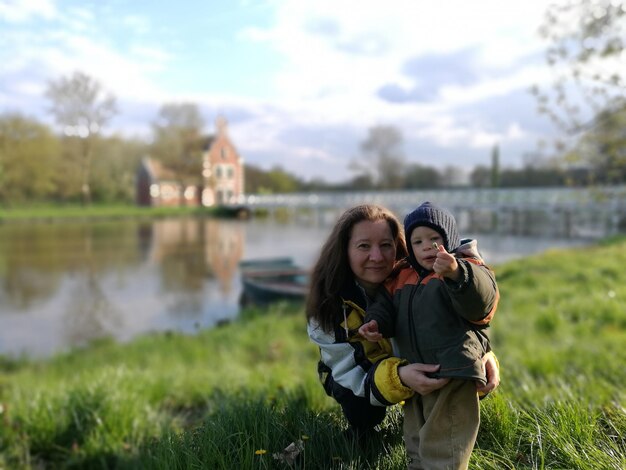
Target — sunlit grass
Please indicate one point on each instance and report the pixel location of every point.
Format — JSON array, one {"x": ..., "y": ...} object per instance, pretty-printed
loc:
[
  {"x": 238, "y": 395},
  {"x": 78, "y": 211}
]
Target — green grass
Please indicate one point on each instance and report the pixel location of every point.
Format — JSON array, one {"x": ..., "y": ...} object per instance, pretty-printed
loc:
[
  {"x": 69, "y": 212},
  {"x": 108, "y": 211},
  {"x": 44, "y": 213},
  {"x": 236, "y": 395}
]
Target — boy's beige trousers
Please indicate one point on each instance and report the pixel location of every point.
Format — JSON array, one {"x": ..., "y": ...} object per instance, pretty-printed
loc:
[{"x": 440, "y": 428}]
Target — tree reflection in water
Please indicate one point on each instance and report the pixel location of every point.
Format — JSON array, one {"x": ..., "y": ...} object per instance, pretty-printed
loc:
[{"x": 90, "y": 314}]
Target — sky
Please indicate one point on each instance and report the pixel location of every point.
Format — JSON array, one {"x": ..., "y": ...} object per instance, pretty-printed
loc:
[{"x": 300, "y": 82}]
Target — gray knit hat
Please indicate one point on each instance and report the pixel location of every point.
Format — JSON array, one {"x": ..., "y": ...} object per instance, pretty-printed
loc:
[{"x": 438, "y": 219}]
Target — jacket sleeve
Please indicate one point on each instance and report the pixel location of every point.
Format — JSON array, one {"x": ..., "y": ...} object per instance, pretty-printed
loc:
[
  {"x": 383, "y": 311},
  {"x": 379, "y": 382},
  {"x": 385, "y": 384},
  {"x": 475, "y": 297}
]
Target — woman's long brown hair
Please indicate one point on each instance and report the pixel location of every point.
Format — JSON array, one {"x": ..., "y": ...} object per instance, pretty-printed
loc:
[{"x": 332, "y": 269}]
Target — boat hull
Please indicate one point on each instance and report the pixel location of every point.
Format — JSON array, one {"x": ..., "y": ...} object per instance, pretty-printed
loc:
[{"x": 272, "y": 280}]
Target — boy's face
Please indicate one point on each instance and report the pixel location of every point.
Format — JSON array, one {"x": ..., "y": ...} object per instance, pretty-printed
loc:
[{"x": 421, "y": 243}]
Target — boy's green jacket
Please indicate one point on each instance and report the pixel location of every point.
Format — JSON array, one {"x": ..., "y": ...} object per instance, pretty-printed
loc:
[{"x": 436, "y": 321}]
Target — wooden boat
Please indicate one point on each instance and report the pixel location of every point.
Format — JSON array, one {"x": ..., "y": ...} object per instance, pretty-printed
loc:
[{"x": 272, "y": 279}]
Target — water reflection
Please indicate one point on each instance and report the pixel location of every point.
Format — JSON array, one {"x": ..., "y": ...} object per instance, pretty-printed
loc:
[
  {"x": 63, "y": 285},
  {"x": 90, "y": 314}
]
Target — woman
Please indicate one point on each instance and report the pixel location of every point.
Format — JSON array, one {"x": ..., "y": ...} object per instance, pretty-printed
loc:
[{"x": 362, "y": 251}]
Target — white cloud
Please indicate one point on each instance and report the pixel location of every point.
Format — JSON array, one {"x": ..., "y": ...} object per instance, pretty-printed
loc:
[
  {"x": 322, "y": 78},
  {"x": 407, "y": 28},
  {"x": 19, "y": 11},
  {"x": 520, "y": 78},
  {"x": 515, "y": 132},
  {"x": 152, "y": 58}
]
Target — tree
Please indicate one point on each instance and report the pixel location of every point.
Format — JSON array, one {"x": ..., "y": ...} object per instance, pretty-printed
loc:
[
  {"x": 362, "y": 182},
  {"x": 82, "y": 109},
  {"x": 586, "y": 57},
  {"x": 480, "y": 177},
  {"x": 29, "y": 157},
  {"x": 421, "y": 177},
  {"x": 532, "y": 176},
  {"x": 115, "y": 164},
  {"x": 177, "y": 141},
  {"x": 275, "y": 180},
  {"x": 177, "y": 136},
  {"x": 382, "y": 157},
  {"x": 452, "y": 176},
  {"x": 495, "y": 166},
  {"x": 603, "y": 149}
]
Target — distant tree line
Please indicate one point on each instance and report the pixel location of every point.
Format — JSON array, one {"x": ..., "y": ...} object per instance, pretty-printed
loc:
[{"x": 40, "y": 165}]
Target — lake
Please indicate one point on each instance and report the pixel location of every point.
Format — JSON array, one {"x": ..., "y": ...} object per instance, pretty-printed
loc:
[{"x": 63, "y": 285}]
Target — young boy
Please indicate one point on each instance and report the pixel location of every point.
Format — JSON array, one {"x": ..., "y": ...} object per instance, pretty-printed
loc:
[{"x": 438, "y": 311}]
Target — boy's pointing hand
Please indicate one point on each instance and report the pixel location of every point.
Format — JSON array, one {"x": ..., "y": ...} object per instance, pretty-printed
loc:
[
  {"x": 446, "y": 264},
  {"x": 370, "y": 332}
]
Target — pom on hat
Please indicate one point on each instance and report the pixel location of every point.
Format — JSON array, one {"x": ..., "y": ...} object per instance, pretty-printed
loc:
[{"x": 438, "y": 219}]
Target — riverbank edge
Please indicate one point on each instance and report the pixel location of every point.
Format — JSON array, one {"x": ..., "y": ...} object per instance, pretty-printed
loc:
[{"x": 48, "y": 214}]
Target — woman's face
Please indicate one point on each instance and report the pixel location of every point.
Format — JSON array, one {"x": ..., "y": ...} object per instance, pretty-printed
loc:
[{"x": 371, "y": 252}]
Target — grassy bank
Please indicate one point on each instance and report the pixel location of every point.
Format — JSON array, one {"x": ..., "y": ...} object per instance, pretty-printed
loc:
[{"x": 236, "y": 396}]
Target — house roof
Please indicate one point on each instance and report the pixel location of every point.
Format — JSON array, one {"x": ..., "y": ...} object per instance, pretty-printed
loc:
[
  {"x": 207, "y": 141},
  {"x": 158, "y": 171}
]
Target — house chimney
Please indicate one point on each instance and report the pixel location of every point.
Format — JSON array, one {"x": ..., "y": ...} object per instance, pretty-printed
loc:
[{"x": 221, "y": 125}]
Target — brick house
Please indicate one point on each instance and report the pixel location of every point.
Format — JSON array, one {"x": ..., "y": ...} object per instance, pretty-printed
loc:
[{"x": 221, "y": 181}]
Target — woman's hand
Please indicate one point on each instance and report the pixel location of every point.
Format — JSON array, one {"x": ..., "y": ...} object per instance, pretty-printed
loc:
[
  {"x": 492, "y": 371},
  {"x": 414, "y": 376}
]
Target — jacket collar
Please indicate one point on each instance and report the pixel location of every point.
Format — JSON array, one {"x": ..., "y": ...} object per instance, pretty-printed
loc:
[{"x": 351, "y": 291}]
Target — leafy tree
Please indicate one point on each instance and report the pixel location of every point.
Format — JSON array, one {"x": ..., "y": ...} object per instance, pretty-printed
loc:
[
  {"x": 81, "y": 107},
  {"x": 495, "y": 167},
  {"x": 382, "y": 157},
  {"x": 29, "y": 156},
  {"x": 452, "y": 176},
  {"x": 114, "y": 169},
  {"x": 177, "y": 141},
  {"x": 421, "y": 177},
  {"x": 480, "y": 177},
  {"x": 275, "y": 180},
  {"x": 283, "y": 182},
  {"x": 603, "y": 149},
  {"x": 362, "y": 182},
  {"x": 587, "y": 41},
  {"x": 532, "y": 176}
]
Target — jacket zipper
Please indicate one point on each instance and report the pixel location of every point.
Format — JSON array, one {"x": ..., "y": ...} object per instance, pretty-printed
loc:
[
  {"x": 412, "y": 330},
  {"x": 345, "y": 320}
]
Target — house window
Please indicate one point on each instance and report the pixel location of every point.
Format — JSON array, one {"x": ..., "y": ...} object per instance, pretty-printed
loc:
[
  {"x": 224, "y": 171},
  {"x": 224, "y": 153},
  {"x": 168, "y": 192},
  {"x": 190, "y": 193},
  {"x": 206, "y": 169}
]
